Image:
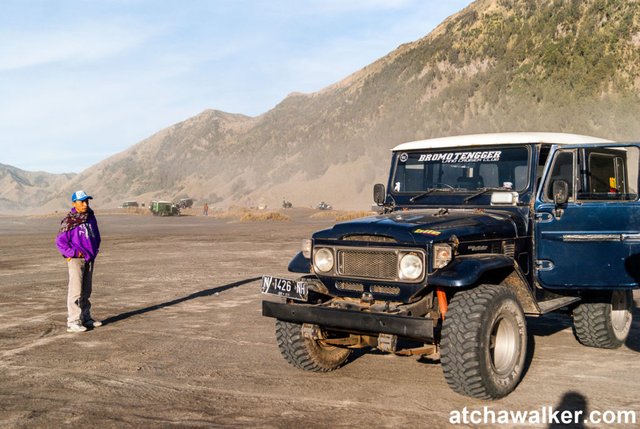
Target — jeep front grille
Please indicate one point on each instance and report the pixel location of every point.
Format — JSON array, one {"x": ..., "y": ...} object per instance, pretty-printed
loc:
[
  {"x": 355, "y": 287},
  {"x": 385, "y": 290},
  {"x": 377, "y": 289},
  {"x": 372, "y": 264}
]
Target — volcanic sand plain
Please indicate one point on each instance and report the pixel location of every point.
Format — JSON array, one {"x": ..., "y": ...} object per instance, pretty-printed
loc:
[{"x": 184, "y": 343}]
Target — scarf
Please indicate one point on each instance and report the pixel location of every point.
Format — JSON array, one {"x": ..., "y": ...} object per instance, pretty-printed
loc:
[{"x": 74, "y": 219}]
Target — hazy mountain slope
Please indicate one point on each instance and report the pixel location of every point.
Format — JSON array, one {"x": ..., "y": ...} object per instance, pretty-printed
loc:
[
  {"x": 19, "y": 188},
  {"x": 161, "y": 166},
  {"x": 498, "y": 65}
]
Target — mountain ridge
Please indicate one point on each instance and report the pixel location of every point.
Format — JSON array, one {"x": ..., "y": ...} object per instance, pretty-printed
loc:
[{"x": 496, "y": 65}]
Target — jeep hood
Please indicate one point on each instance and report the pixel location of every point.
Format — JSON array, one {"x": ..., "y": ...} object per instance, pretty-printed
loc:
[{"x": 424, "y": 226}]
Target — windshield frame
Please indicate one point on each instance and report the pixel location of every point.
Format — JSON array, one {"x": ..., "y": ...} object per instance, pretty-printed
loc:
[{"x": 459, "y": 191}]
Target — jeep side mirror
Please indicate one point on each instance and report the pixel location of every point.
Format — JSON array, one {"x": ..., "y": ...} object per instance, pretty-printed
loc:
[
  {"x": 379, "y": 194},
  {"x": 560, "y": 192}
]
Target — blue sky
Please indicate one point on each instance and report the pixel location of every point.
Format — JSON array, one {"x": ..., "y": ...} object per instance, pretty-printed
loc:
[{"x": 81, "y": 80}]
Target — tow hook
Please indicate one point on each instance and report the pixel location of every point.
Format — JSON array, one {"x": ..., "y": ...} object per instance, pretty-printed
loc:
[{"x": 367, "y": 298}]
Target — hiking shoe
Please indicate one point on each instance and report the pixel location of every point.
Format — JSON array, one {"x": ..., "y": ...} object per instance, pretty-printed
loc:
[
  {"x": 76, "y": 327},
  {"x": 92, "y": 324}
]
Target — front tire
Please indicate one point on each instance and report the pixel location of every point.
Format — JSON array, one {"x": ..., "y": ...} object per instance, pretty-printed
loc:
[
  {"x": 305, "y": 353},
  {"x": 484, "y": 342},
  {"x": 604, "y": 320}
]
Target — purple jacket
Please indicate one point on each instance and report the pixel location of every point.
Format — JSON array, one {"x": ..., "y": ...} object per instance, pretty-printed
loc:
[{"x": 84, "y": 238}]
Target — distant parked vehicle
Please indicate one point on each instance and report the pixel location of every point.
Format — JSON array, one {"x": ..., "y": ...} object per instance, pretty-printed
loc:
[
  {"x": 128, "y": 204},
  {"x": 324, "y": 206},
  {"x": 286, "y": 204},
  {"x": 185, "y": 203},
  {"x": 164, "y": 208}
]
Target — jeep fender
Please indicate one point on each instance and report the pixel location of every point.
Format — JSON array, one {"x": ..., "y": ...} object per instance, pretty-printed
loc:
[
  {"x": 300, "y": 264},
  {"x": 467, "y": 270}
]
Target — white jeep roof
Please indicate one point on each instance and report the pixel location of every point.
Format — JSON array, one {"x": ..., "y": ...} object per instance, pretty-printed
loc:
[{"x": 498, "y": 139}]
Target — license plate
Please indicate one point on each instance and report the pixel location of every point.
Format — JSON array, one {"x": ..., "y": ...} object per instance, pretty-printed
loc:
[{"x": 284, "y": 287}]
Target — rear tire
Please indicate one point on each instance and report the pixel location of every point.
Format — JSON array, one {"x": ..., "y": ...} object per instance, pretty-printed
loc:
[
  {"x": 604, "y": 320},
  {"x": 484, "y": 342},
  {"x": 305, "y": 353}
]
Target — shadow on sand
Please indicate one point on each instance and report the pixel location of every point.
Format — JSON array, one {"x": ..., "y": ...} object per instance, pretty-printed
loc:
[
  {"x": 202, "y": 293},
  {"x": 577, "y": 406},
  {"x": 549, "y": 324},
  {"x": 633, "y": 340}
]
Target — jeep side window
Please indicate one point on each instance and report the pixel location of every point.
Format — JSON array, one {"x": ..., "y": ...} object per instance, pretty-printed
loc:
[
  {"x": 606, "y": 173},
  {"x": 562, "y": 169}
]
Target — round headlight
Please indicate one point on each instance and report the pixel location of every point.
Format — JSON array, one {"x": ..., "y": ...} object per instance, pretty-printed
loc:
[
  {"x": 410, "y": 267},
  {"x": 323, "y": 260}
]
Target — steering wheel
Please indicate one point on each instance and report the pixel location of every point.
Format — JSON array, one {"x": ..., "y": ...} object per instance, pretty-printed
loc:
[{"x": 442, "y": 184}]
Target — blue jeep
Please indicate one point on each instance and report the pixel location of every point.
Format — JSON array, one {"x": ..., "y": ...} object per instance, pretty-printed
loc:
[{"x": 475, "y": 233}]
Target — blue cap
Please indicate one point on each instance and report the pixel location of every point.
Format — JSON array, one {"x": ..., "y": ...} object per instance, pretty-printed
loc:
[{"x": 80, "y": 196}]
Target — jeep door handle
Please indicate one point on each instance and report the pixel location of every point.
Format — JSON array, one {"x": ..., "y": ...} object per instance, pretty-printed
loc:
[{"x": 543, "y": 217}]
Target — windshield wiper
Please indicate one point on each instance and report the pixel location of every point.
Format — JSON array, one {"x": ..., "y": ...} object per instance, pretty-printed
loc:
[
  {"x": 482, "y": 191},
  {"x": 429, "y": 191}
]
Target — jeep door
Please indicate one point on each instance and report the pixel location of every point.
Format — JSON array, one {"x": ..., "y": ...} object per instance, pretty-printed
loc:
[{"x": 593, "y": 239}]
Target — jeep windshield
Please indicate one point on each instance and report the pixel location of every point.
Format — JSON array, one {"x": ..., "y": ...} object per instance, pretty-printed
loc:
[{"x": 460, "y": 170}]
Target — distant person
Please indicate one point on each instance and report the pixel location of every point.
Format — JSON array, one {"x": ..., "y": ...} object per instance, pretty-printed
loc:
[
  {"x": 205, "y": 209},
  {"x": 78, "y": 241}
]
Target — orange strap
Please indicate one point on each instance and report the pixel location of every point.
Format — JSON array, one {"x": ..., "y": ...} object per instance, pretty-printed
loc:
[{"x": 442, "y": 301}]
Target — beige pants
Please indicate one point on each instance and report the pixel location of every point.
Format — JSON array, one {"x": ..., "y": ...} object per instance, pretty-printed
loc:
[{"x": 80, "y": 282}]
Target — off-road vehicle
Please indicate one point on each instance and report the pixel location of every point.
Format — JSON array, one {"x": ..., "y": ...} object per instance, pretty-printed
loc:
[
  {"x": 129, "y": 204},
  {"x": 164, "y": 208},
  {"x": 324, "y": 206},
  {"x": 185, "y": 203},
  {"x": 477, "y": 232}
]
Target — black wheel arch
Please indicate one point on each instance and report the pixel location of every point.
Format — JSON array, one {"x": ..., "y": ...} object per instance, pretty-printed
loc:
[{"x": 469, "y": 271}]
